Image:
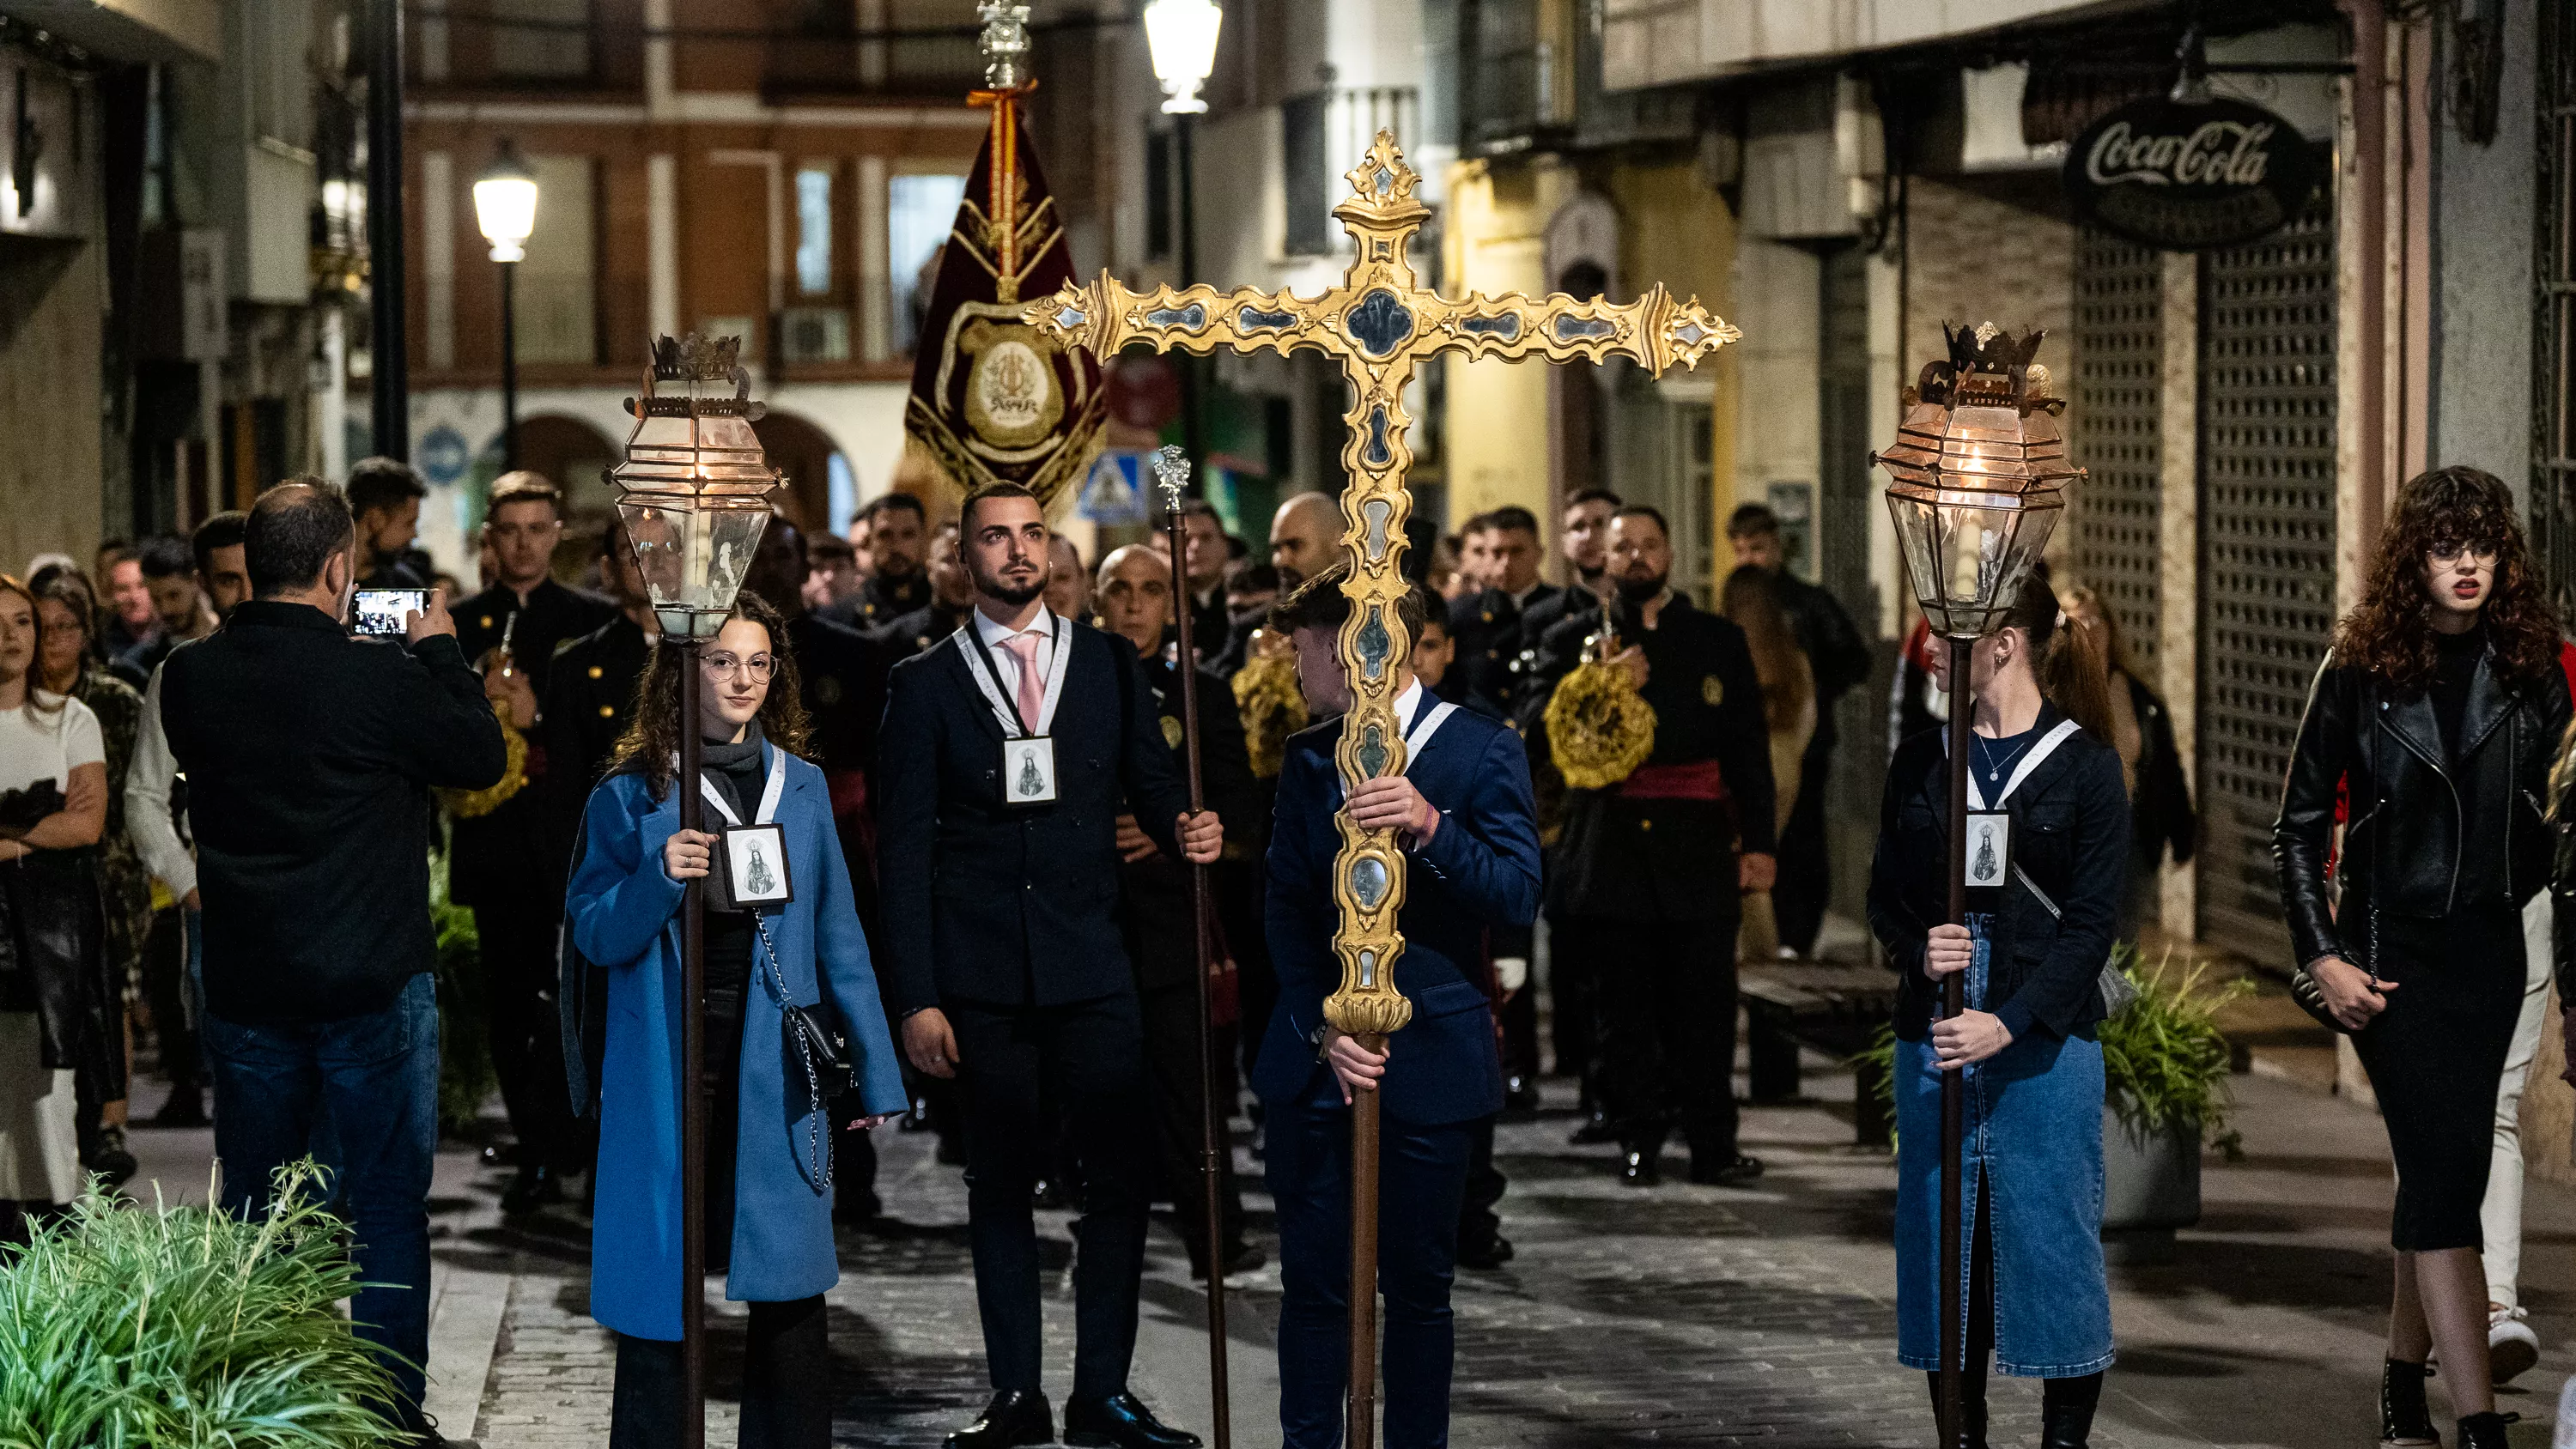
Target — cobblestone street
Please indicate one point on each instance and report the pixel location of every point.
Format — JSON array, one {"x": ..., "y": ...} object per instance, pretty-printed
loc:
[{"x": 1682, "y": 1315}]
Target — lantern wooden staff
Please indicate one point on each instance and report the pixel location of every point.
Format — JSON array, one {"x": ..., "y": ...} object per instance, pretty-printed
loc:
[
  {"x": 694, "y": 494},
  {"x": 1172, "y": 475},
  {"x": 1380, "y": 326},
  {"x": 1980, "y": 474}
]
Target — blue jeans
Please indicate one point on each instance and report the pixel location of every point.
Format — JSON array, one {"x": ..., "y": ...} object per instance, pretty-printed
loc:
[{"x": 376, "y": 1078}]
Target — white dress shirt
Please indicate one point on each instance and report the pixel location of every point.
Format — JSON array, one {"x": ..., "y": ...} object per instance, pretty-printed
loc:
[{"x": 1008, "y": 663}]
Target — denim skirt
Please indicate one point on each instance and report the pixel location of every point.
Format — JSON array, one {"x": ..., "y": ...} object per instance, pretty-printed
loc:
[{"x": 2033, "y": 1145}]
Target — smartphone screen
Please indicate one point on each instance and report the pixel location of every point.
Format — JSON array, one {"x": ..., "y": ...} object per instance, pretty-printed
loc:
[{"x": 381, "y": 611}]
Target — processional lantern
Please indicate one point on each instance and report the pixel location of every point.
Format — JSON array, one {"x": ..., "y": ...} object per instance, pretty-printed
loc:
[
  {"x": 694, "y": 489},
  {"x": 1979, "y": 476}
]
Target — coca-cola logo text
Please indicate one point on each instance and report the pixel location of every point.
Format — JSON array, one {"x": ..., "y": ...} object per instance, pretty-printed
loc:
[{"x": 2229, "y": 153}]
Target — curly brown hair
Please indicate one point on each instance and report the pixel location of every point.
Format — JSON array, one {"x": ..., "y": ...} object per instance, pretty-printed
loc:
[
  {"x": 652, "y": 739},
  {"x": 2388, "y": 634}
]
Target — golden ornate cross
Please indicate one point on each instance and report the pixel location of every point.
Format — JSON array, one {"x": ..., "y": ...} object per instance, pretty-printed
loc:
[{"x": 1381, "y": 325}]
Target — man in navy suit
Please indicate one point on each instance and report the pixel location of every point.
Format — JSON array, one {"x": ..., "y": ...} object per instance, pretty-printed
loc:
[
  {"x": 1470, "y": 838},
  {"x": 1013, "y": 747}
]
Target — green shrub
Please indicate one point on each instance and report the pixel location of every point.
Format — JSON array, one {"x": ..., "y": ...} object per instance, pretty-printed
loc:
[
  {"x": 2164, "y": 1060},
  {"x": 187, "y": 1327}
]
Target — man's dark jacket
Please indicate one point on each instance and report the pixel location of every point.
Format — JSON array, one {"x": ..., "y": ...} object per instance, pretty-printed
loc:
[
  {"x": 590, "y": 690},
  {"x": 310, "y": 755},
  {"x": 1486, "y": 628},
  {"x": 880, "y": 601},
  {"x": 1664, "y": 859},
  {"x": 1160, "y": 931},
  {"x": 505, "y": 856},
  {"x": 1014, "y": 906}
]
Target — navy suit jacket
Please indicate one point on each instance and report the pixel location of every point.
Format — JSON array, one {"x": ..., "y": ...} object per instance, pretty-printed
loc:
[
  {"x": 1013, "y": 905},
  {"x": 1480, "y": 870}
]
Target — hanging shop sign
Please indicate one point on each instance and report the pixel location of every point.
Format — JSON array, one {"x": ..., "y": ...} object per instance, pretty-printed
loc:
[{"x": 2190, "y": 176}]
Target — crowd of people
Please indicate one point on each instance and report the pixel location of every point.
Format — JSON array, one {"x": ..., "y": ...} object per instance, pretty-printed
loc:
[{"x": 948, "y": 860}]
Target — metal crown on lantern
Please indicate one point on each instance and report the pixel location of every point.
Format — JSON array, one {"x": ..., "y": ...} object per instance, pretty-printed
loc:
[
  {"x": 694, "y": 489},
  {"x": 1980, "y": 474}
]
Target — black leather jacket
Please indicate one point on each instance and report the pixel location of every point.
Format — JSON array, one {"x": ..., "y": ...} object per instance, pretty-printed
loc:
[{"x": 2403, "y": 848}]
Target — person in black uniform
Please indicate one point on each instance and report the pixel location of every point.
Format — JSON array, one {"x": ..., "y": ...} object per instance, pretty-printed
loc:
[
  {"x": 1135, "y": 599},
  {"x": 1486, "y": 626},
  {"x": 1839, "y": 660},
  {"x": 2442, "y": 689},
  {"x": 1654, "y": 867},
  {"x": 1007, "y": 962},
  {"x": 842, "y": 675},
  {"x": 504, "y": 864},
  {"x": 951, "y": 599},
  {"x": 1203, "y": 536},
  {"x": 896, "y": 530}
]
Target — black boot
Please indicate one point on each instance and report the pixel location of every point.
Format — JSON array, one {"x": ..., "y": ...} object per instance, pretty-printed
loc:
[
  {"x": 1641, "y": 1166},
  {"x": 1972, "y": 1401},
  {"x": 2403, "y": 1419},
  {"x": 2066, "y": 1411},
  {"x": 2485, "y": 1431}
]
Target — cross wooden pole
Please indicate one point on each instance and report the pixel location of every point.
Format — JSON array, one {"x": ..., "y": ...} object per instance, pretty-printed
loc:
[{"x": 1380, "y": 325}]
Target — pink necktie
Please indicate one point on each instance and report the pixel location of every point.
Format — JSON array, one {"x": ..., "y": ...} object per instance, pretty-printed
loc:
[{"x": 1024, "y": 647}]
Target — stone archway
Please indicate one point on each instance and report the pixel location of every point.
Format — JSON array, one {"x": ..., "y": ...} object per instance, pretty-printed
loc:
[{"x": 804, "y": 453}]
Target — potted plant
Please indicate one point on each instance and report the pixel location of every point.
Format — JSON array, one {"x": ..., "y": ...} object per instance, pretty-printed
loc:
[
  {"x": 188, "y": 1326},
  {"x": 2164, "y": 1071}
]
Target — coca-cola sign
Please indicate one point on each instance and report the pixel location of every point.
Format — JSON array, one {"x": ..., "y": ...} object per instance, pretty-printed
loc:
[{"x": 2189, "y": 176}]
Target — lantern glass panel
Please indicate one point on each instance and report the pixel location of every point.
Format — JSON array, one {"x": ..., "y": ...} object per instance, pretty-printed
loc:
[
  {"x": 693, "y": 556},
  {"x": 1966, "y": 560}
]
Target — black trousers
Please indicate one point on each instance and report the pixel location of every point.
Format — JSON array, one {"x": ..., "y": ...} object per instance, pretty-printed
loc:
[
  {"x": 1572, "y": 988},
  {"x": 165, "y": 991},
  {"x": 786, "y": 1384},
  {"x": 521, "y": 1023},
  {"x": 1087, "y": 1060},
  {"x": 1171, "y": 1019},
  {"x": 1668, "y": 1039},
  {"x": 1806, "y": 877},
  {"x": 1479, "y": 1225}
]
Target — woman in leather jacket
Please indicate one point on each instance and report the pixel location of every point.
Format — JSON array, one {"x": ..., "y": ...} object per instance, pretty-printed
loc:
[
  {"x": 2044, "y": 892},
  {"x": 2437, "y": 712}
]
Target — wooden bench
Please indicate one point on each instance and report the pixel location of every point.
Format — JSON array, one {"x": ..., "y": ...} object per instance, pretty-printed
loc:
[{"x": 1834, "y": 1009}]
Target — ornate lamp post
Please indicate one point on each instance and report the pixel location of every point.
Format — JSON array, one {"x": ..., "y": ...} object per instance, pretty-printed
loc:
[
  {"x": 1980, "y": 474},
  {"x": 694, "y": 494},
  {"x": 1182, "y": 35},
  {"x": 505, "y": 209}
]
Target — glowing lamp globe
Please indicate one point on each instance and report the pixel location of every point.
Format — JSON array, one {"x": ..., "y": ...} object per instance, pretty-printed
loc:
[
  {"x": 694, "y": 489},
  {"x": 505, "y": 204},
  {"x": 1978, "y": 478},
  {"x": 1182, "y": 35}
]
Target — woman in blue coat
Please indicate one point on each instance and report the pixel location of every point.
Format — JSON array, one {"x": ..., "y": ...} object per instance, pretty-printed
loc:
[{"x": 769, "y": 1146}]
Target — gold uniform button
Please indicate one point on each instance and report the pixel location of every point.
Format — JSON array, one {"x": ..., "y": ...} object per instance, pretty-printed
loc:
[
  {"x": 487, "y": 621},
  {"x": 1645, "y": 825},
  {"x": 607, "y": 711},
  {"x": 594, "y": 671}
]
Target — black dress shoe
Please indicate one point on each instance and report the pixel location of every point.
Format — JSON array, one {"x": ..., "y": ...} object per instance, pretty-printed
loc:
[
  {"x": 1641, "y": 1169},
  {"x": 108, "y": 1158},
  {"x": 1596, "y": 1129},
  {"x": 1241, "y": 1258},
  {"x": 1520, "y": 1099},
  {"x": 534, "y": 1187},
  {"x": 1734, "y": 1172},
  {"x": 1121, "y": 1422},
  {"x": 1014, "y": 1417},
  {"x": 185, "y": 1108},
  {"x": 1486, "y": 1256}
]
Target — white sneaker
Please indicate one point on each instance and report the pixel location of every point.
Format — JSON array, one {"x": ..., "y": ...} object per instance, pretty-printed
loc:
[{"x": 2512, "y": 1347}]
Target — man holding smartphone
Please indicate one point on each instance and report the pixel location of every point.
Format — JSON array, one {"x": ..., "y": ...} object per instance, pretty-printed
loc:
[{"x": 310, "y": 755}]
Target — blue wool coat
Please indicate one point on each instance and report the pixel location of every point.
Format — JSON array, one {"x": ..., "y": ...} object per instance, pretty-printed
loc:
[{"x": 623, "y": 913}]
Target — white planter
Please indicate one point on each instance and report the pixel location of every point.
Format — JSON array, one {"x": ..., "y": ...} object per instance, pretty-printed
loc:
[{"x": 2150, "y": 1186}]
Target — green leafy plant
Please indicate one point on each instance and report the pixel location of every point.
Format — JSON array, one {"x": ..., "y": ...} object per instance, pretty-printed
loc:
[
  {"x": 187, "y": 1326},
  {"x": 2164, "y": 1060}
]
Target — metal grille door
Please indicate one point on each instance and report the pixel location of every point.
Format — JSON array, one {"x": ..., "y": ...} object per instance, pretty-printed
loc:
[
  {"x": 2119, "y": 401},
  {"x": 2267, "y": 529},
  {"x": 2553, "y": 444}
]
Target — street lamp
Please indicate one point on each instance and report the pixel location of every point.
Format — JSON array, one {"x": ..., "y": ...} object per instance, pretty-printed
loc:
[
  {"x": 505, "y": 208},
  {"x": 1182, "y": 35},
  {"x": 694, "y": 494},
  {"x": 1980, "y": 475}
]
